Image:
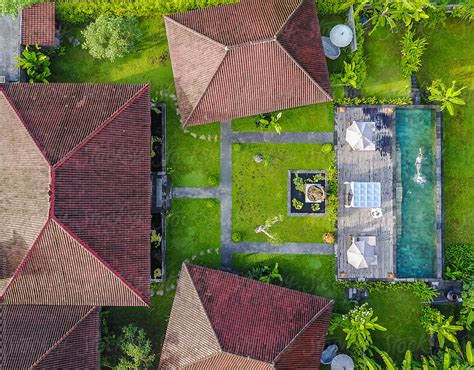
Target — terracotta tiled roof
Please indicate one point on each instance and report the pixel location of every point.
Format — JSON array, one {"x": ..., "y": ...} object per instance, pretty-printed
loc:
[
  {"x": 49, "y": 337},
  {"x": 246, "y": 58},
  {"x": 217, "y": 313},
  {"x": 76, "y": 198},
  {"x": 38, "y": 25}
]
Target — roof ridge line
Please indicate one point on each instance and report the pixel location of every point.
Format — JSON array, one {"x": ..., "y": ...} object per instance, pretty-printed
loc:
[
  {"x": 20, "y": 117},
  {"x": 313, "y": 319},
  {"x": 207, "y": 88},
  {"x": 289, "y": 18},
  {"x": 205, "y": 311},
  {"x": 95, "y": 255},
  {"x": 304, "y": 71},
  {"x": 23, "y": 262},
  {"x": 166, "y": 17},
  {"x": 60, "y": 340},
  {"x": 94, "y": 133},
  {"x": 251, "y": 43}
]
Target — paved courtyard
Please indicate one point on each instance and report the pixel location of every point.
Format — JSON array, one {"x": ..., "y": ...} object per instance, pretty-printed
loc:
[{"x": 10, "y": 41}]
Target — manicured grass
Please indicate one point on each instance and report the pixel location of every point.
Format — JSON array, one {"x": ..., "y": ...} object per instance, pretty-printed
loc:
[
  {"x": 193, "y": 229},
  {"x": 191, "y": 159},
  {"x": 384, "y": 78},
  {"x": 449, "y": 56},
  {"x": 260, "y": 191},
  {"x": 316, "y": 117},
  {"x": 399, "y": 311}
]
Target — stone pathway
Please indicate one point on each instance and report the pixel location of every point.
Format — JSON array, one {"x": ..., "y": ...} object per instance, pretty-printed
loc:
[{"x": 224, "y": 192}]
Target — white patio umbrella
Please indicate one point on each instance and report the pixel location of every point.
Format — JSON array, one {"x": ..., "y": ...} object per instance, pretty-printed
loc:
[
  {"x": 341, "y": 35},
  {"x": 360, "y": 254},
  {"x": 360, "y": 135},
  {"x": 342, "y": 362}
]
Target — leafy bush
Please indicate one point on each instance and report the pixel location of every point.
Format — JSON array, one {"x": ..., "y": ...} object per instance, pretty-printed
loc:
[
  {"x": 355, "y": 71},
  {"x": 297, "y": 204},
  {"x": 212, "y": 181},
  {"x": 459, "y": 260},
  {"x": 332, "y": 204},
  {"x": 423, "y": 292},
  {"x": 136, "y": 349},
  {"x": 373, "y": 100},
  {"x": 329, "y": 238},
  {"x": 412, "y": 51},
  {"x": 299, "y": 184},
  {"x": 80, "y": 11},
  {"x": 326, "y": 7},
  {"x": 434, "y": 322},
  {"x": 110, "y": 37},
  {"x": 448, "y": 98},
  {"x": 156, "y": 239},
  {"x": 236, "y": 237},
  {"x": 315, "y": 207},
  {"x": 349, "y": 77},
  {"x": 12, "y": 7},
  {"x": 266, "y": 274},
  {"x": 467, "y": 311},
  {"x": 327, "y": 148},
  {"x": 36, "y": 64},
  {"x": 269, "y": 120},
  {"x": 465, "y": 12}
]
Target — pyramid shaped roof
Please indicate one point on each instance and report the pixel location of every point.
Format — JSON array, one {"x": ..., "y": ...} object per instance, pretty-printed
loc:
[
  {"x": 246, "y": 58},
  {"x": 74, "y": 194}
]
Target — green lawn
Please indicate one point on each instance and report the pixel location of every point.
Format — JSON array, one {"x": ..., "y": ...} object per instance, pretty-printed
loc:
[
  {"x": 316, "y": 117},
  {"x": 384, "y": 78},
  {"x": 193, "y": 229},
  {"x": 260, "y": 191},
  {"x": 450, "y": 56},
  {"x": 190, "y": 159},
  {"x": 399, "y": 311}
]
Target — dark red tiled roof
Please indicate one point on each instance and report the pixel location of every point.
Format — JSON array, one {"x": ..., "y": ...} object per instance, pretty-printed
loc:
[
  {"x": 87, "y": 194},
  {"x": 38, "y": 25},
  {"x": 246, "y": 58},
  {"x": 49, "y": 337},
  {"x": 249, "y": 319}
]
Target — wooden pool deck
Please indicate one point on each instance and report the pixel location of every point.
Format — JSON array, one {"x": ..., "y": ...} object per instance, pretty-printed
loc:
[{"x": 367, "y": 166}]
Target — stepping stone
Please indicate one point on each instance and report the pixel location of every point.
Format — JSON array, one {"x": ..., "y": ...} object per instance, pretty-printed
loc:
[
  {"x": 201, "y": 253},
  {"x": 202, "y": 137},
  {"x": 216, "y": 138},
  {"x": 193, "y": 134},
  {"x": 185, "y": 130},
  {"x": 209, "y": 138},
  {"x": 209, "y": 251},
  {"x": 160, "y": 293},
  {"x": 217, "y": 250},
  {"x": 193, "y": 257},
  {"x": 186, "y": 260}
]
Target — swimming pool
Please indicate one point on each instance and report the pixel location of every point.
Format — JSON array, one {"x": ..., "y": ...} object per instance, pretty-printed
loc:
[{"x": 417, "y": 240}]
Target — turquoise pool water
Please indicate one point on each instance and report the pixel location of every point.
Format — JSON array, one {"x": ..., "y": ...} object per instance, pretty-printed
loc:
[{"x": 416, "y": 238}]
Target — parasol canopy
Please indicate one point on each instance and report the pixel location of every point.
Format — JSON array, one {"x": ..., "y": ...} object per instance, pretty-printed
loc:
[
  {"x": 360, "y": 135},
  {"x": 361, "y": 254},
  {"x": 341, "y": 35}
]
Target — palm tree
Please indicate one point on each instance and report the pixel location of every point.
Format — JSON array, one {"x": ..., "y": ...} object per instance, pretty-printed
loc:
[
  {"x": 444, "y": 330},
  {"x": 447, "y": 97}
]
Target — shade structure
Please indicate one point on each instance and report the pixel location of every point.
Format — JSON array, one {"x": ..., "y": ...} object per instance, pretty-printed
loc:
[
  {"x": 341, "y": 35},
  {"x": 342, "y": 362},
  {"x": 360, "y": 135},
  {"x": 361, "y": 254}
]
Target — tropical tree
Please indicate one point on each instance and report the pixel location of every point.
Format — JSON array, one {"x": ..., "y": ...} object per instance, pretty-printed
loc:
[
  {"x": 390, "y": 12},
  {"x": 266, "y": 274},
  {"x": 267, "y": 120},
  {"x": 36, "y": 64},
  {"x": 111, "y": 38},
  {"x": 467, "y": 310},
  {"x": 434, "y": 322},
  {"x": 274, "y": 239},
  {"x": 12, "y": 7},
  {"x": 136, "y": 349},
  {"x": 447, "y": 97},
  {"x": 412, "y": 51},
  {"x": 358, "y": 325}
]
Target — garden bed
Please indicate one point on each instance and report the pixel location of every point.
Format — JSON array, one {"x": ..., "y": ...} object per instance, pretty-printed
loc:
[
  {"x": 307, "y": 193},
  {"x": 158, "y": 248}
]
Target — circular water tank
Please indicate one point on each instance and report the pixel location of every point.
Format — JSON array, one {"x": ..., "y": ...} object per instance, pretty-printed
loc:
[{"x": 341, "y": 35}]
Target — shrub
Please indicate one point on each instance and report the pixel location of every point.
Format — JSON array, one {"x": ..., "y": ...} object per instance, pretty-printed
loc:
[
  {"x": 111, "y": 38},
  {"x": 465, "y": 12},
  {"x": 212, "y": 181},
  {"x": 329, "y": 238},
  {"x": 412, "y": 50},
  {"x": 269, "y": 120},
  {"x": 236, "y": 237},
  {"x": 266, "y": 274},
  {"x": 349, "y": 77},
  {"x": 423, "y": 292},
  {"x": 332, "y": 205},
  {"x": 299, "y": 183},
  {"x": 315, "y": 207},
  {"x": 12, "y": 7},
  {"x": 237, "y": 147},
  {"x": 36, "y": 64},
  {"x": 80, "y": 11},
  {"x": 434, "y": 322},
  {"x": 297, "y": 204},
  {"x": 327, "y": 148},
  {"x": 373, "y": 100},
  {"x": 156, "y": 239},
  {"x": 448, "y": 98},
  {"x": 211, "y": 203},
  {"x": 459, "y": 260},
  {"x": 136, "y": 349},
  {"x": 467, "y": 311},
  {"x": 326, "y": 7}
]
